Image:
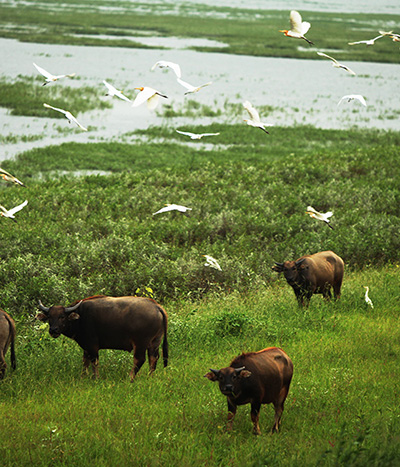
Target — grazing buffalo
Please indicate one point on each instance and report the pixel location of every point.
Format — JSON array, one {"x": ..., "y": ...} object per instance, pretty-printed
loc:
[
  {"x": 312, "y": 274},
  {"x": 257, "y": 378},
  {"x": 100, "y": 322},
  {"x": 7, "y": 339}
]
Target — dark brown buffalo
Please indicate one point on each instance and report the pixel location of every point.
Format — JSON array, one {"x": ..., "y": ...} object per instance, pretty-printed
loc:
[
  {"x": 312, "y": 274},
  {"x": 7, "y": 339},
  {"x": 101, "y": 322},
  {"x": 256, "y": 378}
]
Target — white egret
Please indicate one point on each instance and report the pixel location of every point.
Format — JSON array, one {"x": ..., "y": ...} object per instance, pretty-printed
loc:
[
  {"x": 196, "y": 135},
  {"x": 395, "y": 37},
  {"x": 49, "y": 77},
  {"x": 10, "y": 213},
  {"x": 112, "y": 91},
  {"x": 9, "y": 178},
  {"x": 164, "y": 64},
  {"x": 368, "y": 42},
  {"x": 298, "y": 28},
  {"x": 212, "y": 262},
  {"x": 367, "y": 299},
  {"x": 172, "y": 207},
  {"x": 68, "y": 116},
  {"x": 352, "y": 97},
  {"x": 190, "y": 88},
  {"x": 320, "y": 216},
  {"x": 148, "y": 95},
  {"x": 336, "y": 64},
  {"x": 255, "y": 117}
]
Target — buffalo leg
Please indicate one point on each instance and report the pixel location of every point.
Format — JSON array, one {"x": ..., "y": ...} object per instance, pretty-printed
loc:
[
  {"x": 3, "y": 365},
  {"x": 255, "y": 415},
  {"x": 279, "y": 404},
  {"x": 92, "y": 360},
  {"x": 231, "y": 415},
  {"x": 154, "y": 353},
  {"x": 139, "y": 358}
]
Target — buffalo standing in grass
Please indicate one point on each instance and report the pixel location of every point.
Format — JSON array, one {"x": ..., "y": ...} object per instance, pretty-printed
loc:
[
  {"x": 7, "y": 339},
  {"x": 312, "y": 274},
  {"x": 101, "y": 322},
  {"x": 257, "y": 378}
]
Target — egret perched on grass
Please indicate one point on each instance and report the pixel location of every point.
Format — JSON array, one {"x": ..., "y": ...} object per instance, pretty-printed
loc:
[
  {"x": 9, "y": 178},
  {"x": 254, "y": 119},
  {"x": 196, "y": 135},
  {"x": 367, "y": 299},
  {"x": 111, "y": 91},
  {"x": 10, "y": 213},
  {"x": 68, "y": 116},
  {"x": 298, "y": 28},
  {"x": 320, "y": 216},
  {"x": 148, "y": 95},
  {"x": 192, "y": 89},
  {"x": 212, "y": 262},
  {"x": 164, "y": 64},
  {"x": 172, "y": 207},
  {"x": 336, "y": 64},
  {"x": 49, "y": 77},
  {"x": 368, "y": 42},
  {"x": 352, "y": 97}
]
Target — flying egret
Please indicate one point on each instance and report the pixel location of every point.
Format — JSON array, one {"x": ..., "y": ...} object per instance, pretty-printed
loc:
[
  {"x": 10, "y": 213},
  {"x": 298, "y": 28},
  {"x": 68, "y": 116},
  {"x": 9, "y": 178},
  {"x": 367, "y": 299},
  {"x": 395, "y": 37},
  {"x": 255, "y": 117},
  {"x": 148, "y": 94},
  {"x": 172, "y": 207},
  {"x": 164, "y": 64},
  {"x": 49, "y": 77},
  {"x": 196, "y": 135},
  {"x": 111, "y": 91},
  {"x": 369, "y": 42},
  {"x": 336, "y": 64},
  {"x": 212, "y": 262},
  {"x": 319, "y": 215},
  {"x": 190, "y": 88},
  {"x": 352, "y": 97}
]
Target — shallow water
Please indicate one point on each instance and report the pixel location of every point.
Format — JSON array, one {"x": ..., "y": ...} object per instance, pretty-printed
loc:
[{"x": 301, "y": 91}]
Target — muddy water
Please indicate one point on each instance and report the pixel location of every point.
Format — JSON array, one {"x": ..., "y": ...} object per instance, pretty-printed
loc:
[{"x": 301, "y": 91}]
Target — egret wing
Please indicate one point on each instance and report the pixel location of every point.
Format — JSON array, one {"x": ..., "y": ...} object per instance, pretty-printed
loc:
[
  {"x": 295, "y": 21},
  {"x": 55, "y": 108},
  {"x": 327, "y": 56},
  {"x": 186, "y": 133},
  {"x": 42, "y": 71},
  {"x": 143, "y": 96},
  {"x": 18, "y": 208},
  {"x": 251, "y": 111},
  {"x": 152, "y": 101},
  {"x": 185, "y": 84}
]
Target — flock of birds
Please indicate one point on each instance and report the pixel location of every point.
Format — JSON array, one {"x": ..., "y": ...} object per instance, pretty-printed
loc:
[{"x": 150, "y": 96}]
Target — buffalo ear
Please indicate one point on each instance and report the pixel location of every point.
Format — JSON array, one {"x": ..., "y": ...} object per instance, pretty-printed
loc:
[
  {"x": 245, "y": 374},
  {"x": 42, "y": 317},
  {"x": 73, "y": 316},
  {"x": 212, "y": 375}
]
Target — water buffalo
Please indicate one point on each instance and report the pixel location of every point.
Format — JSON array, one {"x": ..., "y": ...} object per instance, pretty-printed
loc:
[
  {"x": 101, "y": 322},
  {"x": 257, "y": 378},
  {"x": 312, "y": 274},
  {"x": 7, "y": 339}
]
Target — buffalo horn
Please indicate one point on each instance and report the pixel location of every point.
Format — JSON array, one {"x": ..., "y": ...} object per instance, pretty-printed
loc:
[
  {"x": 238, "y": 370},
  {"x": 298, "y": 262},
  {"x": 279, "y": 264},
  {"x": 43, "y": 308},
  {"x": 216, "y": 372},
  {"x": 70, "y": 309}
]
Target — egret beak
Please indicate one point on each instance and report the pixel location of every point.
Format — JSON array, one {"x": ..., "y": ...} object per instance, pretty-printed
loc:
[{"x": 140, "y": 89}]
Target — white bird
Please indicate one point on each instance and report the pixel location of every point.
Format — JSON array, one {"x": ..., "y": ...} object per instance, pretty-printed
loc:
[
  {"x": 49, "y": 77},
  {"x": 368, "y": 42},
  {"x": 319, "y": 215},
  {"x": 395, "y": 37},
  {"x": 9, "y": 178},
  {"x": 352, "y": 97},
  {"x": 336, "y": 64},
  {"x": 298, "y": 28},
  {"x": 190, "y": 88},
  {"x": 10, "y": 213},
  {"x": 212, "y": 262},
  {"x": 68, "y": 116},
  {"x": 196, "y": 135},
  {"x": 172, "y": 207},
  {"x": 164, "y": 64},
  {"x": 255, "y": 117},
  {"x": 367, "y": 299},
  {"x": 148, "y": 94},
  {"x": 111, "y": 91}
]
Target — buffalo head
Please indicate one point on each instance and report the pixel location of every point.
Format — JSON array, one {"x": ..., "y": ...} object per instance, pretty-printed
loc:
[
  {"x": 291, "y": 270},
  {"x": 59, "y": 318},
  {"x": 230, "y": 379}
]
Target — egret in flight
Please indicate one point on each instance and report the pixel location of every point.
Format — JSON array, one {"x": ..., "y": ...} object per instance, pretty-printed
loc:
[
  {"x": 190, "y": 88},
  {"x": 369, "y": 42},
  {"x": 352, "y": 97},
  {"x": 367, "y": 299},
  {"x": 68, "y": 116},
  {"x": 164, "y": 64},
  {"x": 320, "y": 216},
  {"x": 172, "y": 207},
  {"x": 10, "y": 213},
  {"x": 336, "y": 64},
  {"x": 196, "y": 135},
  {"x": 254, "y": 119},
  {"x": 49, "y": 77},
  {"x": 298, "y": 28},
  {"x": 148, "y": 95},
  {"x": 9, "y": 178},
  {"x": 111, "y": 91},
  {"x": 212, "y": 262}
]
